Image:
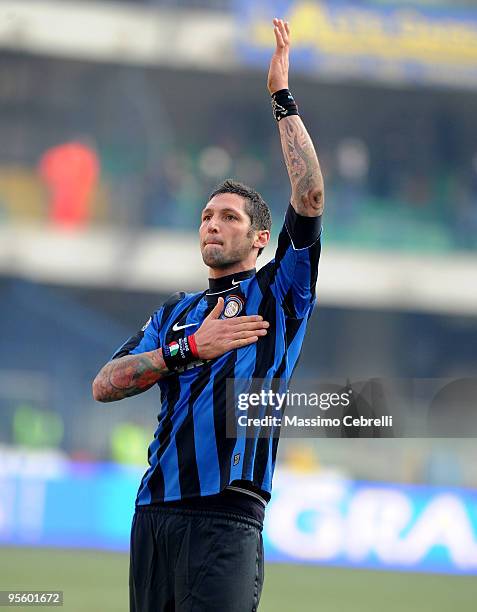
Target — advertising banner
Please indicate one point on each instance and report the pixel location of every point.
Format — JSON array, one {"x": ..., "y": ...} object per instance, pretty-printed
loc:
[
  {"x": 311, "y": 519},
  {"x": 366, "y": 41}
]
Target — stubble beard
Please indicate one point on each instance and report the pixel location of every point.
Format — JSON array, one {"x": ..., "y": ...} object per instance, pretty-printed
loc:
[{"x": 216, "y": 257}]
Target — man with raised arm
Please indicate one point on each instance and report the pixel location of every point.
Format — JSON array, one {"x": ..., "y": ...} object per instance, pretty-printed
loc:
[{"x": 196, "y": 540}]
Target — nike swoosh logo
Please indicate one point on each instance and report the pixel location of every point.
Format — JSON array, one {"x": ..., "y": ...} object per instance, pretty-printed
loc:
[
  {"x": 176, "y": 327},
  {"x": 234, "y": 282}
]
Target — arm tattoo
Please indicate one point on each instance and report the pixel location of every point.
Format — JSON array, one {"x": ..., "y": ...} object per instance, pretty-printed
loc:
[
  {"x": 303, "y": 167},
  {"x": 128, "y": 376}
]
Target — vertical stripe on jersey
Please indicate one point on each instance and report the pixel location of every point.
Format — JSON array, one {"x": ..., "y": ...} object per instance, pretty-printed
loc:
[
  {"x": 294, "y": 338},
  {"x": 296, "y": 335},
  {"x": 155, "y": 482},
  {"x": 301, "y": 289},
  {"x": 284, "y": 267},
  {"x": 274, "y": 453},
  {"x": 205, "y": 421},
  {"x": 170, "y": 459},
  {"x": 263, "y": 447},
  {"x": 225, "y": 446},
  {"x": 265, "y": 471},
  {"x": 155, "y": 479},
  {"x": 242, "y": 370},
  {"x": 314, "y": 256},
  {"x": 265, "y": 357},
  {"x": 185, "y": 439},
  {"x": 241, "y": 375},
  {"x": 162, "y": 477}
]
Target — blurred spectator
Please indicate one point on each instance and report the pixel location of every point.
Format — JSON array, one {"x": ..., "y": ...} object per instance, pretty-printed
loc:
[
  {"x": 71, "y": 172},
  {"x": 401, "y": 166}
]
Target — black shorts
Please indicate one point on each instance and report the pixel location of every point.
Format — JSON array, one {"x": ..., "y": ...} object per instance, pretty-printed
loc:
[{"x": 185, "y": 560}]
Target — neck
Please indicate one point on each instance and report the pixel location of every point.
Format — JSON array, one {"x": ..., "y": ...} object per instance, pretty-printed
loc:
[
  {"x": 223, "y": 285},
  {"x": 236, "y": 268}
]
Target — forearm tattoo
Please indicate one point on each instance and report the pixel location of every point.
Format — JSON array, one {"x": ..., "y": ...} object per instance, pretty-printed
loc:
[
  {"x": 128, "y": 376},
  {"x": 303, "y": 167}
]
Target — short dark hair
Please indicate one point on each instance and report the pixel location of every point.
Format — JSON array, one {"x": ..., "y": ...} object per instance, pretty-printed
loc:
[{"x": 255, "y": 206}]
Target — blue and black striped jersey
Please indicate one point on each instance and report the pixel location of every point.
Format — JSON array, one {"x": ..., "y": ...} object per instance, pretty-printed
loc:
[{"x": 191, "y": 455}]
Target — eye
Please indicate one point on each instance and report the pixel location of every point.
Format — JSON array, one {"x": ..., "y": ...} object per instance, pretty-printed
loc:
[{"x": 231, "y": 217}]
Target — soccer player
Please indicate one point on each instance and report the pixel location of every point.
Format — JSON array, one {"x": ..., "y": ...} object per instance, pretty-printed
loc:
[{"x": 196, "y": 540}]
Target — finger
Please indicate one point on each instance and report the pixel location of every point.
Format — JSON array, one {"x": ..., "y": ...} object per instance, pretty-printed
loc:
[
  {"x": 241, "y": 343},
  {"x": 250, "y": 326},
  {"x": 287, "y": 29},
  {"x": 246, "y": 319},
  {"x": 283, "y": 31},
  {"x": 279, "y": 38},
  {"x": 217, "y": 310},
  {"x": 248, "y": 334}
]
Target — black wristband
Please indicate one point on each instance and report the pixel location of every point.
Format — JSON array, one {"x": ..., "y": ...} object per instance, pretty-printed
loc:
[
  {"x": 178, "y": 354},
  {"x": 283, "y": 104}
]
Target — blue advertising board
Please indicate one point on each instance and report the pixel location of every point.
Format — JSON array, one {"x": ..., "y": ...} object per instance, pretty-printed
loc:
[
  {"x": 311, "y": 518},
  {"x": 374, "y": 525}
]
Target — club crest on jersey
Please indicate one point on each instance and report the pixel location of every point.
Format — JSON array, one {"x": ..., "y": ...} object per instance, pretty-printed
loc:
[{"x": 233, "y": 306}]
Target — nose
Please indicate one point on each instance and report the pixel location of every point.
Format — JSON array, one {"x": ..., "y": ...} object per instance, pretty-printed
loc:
[{"x": 212, "y": 226}]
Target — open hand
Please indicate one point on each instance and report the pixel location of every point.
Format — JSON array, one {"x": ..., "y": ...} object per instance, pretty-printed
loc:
[
  {"x": 278, "y": 71},
  {"x": 218, "y": 336}
]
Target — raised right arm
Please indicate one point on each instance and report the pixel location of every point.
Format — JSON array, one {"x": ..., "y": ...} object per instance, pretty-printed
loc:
[{"x": 307, "y": 197}]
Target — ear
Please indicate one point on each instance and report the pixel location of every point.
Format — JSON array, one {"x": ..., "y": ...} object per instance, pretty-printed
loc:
[{"x": 262, "y": 238}]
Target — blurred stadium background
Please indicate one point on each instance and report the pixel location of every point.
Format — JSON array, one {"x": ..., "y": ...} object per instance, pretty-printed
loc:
[{"x": 116, "y": 120}]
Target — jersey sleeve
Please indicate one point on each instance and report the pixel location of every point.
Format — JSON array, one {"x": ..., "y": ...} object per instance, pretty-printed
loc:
[
  {"x": 146, "y": 339},
  {"x": 295, "y": 267}
]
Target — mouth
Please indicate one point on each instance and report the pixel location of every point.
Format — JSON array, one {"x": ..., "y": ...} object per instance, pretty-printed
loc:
[{"x": 213, "y": 243}]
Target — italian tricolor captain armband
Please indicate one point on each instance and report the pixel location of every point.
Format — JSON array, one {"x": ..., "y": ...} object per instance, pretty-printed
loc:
[
  {"x": 180, "y": 353},
  {"x": 283, "y": 104}
]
